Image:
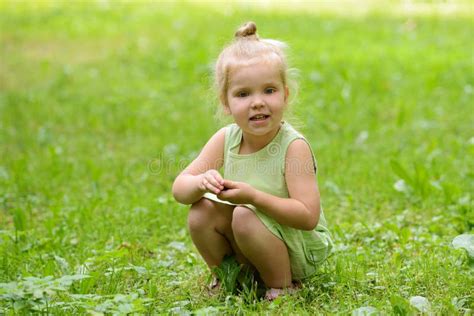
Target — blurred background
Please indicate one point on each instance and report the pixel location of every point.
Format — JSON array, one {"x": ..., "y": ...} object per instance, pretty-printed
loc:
[{"x": 103, "y": 103}]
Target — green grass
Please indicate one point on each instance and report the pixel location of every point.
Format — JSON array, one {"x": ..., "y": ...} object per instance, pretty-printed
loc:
[{"x": 102, "y": 106}]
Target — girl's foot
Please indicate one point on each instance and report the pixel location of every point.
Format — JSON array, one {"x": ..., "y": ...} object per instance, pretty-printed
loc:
[
  {"x": 274, "y": 293},
  {"x": 214, "y": 288}
]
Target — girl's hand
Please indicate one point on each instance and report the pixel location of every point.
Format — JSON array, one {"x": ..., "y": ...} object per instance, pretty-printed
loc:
[
  {"x": 237, "y": 192},
  {"x": 211, "y": 181}
]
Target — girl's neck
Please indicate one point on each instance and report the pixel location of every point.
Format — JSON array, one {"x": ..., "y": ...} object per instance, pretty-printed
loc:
[{"x": 251, "y": 143}]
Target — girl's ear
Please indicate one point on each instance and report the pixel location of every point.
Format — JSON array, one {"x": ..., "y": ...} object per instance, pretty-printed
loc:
[
  {"x": 224, "y": 104},
  {"x": 287, "y": 93},
  {"x": 225, "y": 107}
]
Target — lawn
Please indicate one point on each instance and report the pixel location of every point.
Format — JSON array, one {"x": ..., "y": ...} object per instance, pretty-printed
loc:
[{"x": 103, "y": 103}]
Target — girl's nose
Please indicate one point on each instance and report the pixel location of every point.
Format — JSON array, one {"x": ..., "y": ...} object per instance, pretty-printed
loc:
[{"x": 257, "y": 102}]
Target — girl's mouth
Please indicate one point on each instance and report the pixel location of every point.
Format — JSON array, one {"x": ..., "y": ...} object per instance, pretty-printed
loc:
[{"x": 259, "y": 117}]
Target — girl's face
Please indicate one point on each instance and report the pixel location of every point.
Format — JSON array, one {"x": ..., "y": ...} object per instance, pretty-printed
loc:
[{"x": 257, "y": 97}]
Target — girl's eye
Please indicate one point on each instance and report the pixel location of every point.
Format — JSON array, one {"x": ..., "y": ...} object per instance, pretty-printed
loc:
[
  {"x": 270, "y": 90},
  {"x": 242, "y": 94}
]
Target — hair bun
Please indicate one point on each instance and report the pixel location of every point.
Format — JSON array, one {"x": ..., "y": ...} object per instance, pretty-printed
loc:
[{"x": 248, "y": 30}]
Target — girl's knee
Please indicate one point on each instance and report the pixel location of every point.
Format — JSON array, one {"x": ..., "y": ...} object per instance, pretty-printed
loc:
[
  {"x": 206, "y": 214},
  {"x": 200, "y": 215},
  {"x": 242, "y": 222}
]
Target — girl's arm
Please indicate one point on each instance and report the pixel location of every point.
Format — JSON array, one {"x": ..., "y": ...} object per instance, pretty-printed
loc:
[
  {"x": 201, "y": 175},
  {"x": 301, "y": 210}
]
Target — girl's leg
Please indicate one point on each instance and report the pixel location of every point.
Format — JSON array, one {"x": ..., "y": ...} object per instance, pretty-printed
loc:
[
  {"x": 262, "y": 248},
  {"x": 210, "y": 227}
]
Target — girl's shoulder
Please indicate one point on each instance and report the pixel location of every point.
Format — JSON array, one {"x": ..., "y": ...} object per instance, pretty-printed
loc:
[
  {"x": 298, "y": 147},
  {"x": 232, "y": 132},
  {"x": 289, "y": 133},
  {"x": 232, "y": 128},
  {"x": 217, "y": 140}
]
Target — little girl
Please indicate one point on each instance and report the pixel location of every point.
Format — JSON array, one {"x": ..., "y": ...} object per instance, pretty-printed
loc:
[{"x": 263, "y": 207}]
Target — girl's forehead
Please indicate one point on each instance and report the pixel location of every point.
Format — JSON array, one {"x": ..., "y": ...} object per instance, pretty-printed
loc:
[
  {"x": 255, "y": 72},
  {"x": 268, "y": 60}
]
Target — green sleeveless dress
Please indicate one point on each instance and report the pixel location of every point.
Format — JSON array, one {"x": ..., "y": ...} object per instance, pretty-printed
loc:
[{"x": 265, "y": 171}]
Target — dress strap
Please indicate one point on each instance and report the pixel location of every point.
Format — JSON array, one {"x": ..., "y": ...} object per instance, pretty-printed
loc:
[{"x": 233, "y": 137}]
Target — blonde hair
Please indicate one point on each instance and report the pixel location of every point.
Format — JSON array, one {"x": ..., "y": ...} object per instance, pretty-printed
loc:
[{"x": 246, "y": 49}]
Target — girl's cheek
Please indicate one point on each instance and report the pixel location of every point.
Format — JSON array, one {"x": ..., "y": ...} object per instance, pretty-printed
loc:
[{"x": 239, "y": 103}]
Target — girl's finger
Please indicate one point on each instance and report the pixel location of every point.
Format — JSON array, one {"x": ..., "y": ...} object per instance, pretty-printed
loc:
[
  {"x": 226, "y": 194},
  {"x": 220, "y": 184},
  {"x": 229, "y": 184},
  {"x": 218, "y": 177},
  {"x": 215, "y": 181},
  {"x": 223, "y": 195},
  {"x": 211, "y": 185},
  {"x": 204, "y": 183}
]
